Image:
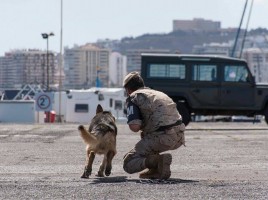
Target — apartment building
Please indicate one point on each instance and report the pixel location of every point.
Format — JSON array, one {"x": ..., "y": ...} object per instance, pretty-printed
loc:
[
  {"x": 134, "y": 57},
  {"x": 20, "y": 67},
  {"x": 197, "y": 24},
  {"x": 86, "y": 66},
  {"x": 117, "y": 69},
  {"x": 257, "y": 59},
  {"x": 223, "y": 49}
]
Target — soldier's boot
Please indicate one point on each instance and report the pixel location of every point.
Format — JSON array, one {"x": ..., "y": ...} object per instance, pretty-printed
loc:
[
  {"x": 151, "y": 162},
  {"x": 158, "y": 167},
  {"x": 149, "y": 174},
  {"x": 164, "y": 163}
]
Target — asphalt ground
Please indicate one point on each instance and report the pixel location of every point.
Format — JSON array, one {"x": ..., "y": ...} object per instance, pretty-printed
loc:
[{"x": 220, "y": 161}]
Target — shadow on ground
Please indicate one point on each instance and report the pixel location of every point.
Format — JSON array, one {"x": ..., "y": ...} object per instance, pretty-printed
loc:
[{"x": 121, "y": 179}]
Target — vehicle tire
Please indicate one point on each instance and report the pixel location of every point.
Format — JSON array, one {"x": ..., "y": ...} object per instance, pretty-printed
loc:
[
  {"x": 184, "y": 112},
  {"x": 266, "y": 114}
]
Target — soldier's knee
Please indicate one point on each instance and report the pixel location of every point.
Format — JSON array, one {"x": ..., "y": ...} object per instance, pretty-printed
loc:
[{"x": 126, "y": 164}]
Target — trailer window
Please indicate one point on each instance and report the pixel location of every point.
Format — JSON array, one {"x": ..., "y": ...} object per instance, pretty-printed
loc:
[
  {"x": 111, "y": 103},
  {"x": 81, "y": 108},
  {"x": 101, "y": 97},
  {"x": 166, "y": 71},
  {"x": 118, "y": 105}
]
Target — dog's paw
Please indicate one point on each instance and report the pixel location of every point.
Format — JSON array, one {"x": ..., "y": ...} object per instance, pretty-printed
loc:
[
  {"x": 86, "y": 174},
  {"x": 99, "y": 174},
  {"x": 81, "y": 127},
  {"x": 108, "y": 171}
]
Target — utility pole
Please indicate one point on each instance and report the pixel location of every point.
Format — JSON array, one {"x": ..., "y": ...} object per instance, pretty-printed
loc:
[
  {"x": 239, "y": 28},
  {"x": 61, "y": 59}
]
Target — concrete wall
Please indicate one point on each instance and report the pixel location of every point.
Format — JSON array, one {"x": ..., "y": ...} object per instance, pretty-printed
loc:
[{"x": 17, "y": 112}]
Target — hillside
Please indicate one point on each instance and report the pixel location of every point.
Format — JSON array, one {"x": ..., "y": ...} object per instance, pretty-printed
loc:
[{"x": 181, "y": 41}]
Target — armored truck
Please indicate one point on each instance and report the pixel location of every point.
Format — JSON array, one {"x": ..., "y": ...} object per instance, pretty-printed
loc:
[{"x": 206, "y": 85}]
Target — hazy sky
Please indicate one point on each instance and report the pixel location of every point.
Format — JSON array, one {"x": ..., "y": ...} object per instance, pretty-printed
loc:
[{"x": 23, "y": 21}]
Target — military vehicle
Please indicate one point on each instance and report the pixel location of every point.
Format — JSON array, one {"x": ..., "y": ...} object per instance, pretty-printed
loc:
[{"x": 206, "y": 85}]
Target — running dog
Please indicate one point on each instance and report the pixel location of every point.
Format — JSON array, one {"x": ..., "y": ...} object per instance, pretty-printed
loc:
[{"x": 100, "y": 139}]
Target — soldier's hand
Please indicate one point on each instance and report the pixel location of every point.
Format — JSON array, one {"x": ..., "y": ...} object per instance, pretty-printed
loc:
[{"x": 142, "y": 135}]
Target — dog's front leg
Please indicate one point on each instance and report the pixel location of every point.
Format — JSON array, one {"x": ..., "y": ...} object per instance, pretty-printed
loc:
[{"x": 89, "y": 162}]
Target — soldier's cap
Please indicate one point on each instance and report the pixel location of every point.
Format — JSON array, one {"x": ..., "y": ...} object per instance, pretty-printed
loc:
[{"x": 129, "y": 77}]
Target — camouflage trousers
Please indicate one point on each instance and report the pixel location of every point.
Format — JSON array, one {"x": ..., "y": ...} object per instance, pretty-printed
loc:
[{"x": 153, "y": 143}]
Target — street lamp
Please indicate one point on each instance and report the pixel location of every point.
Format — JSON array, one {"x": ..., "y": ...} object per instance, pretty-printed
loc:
[{"x": 46, "y": 36}]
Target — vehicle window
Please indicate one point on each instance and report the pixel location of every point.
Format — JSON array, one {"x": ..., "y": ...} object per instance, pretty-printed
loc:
[
  {"x": 234, "y": 73},
  {"x": 166, "y": 71},
  {"x": 204, "y": 72}
]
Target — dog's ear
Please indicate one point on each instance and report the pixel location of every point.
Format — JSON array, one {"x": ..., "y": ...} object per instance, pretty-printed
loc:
[{"x": 99, "y": 109}]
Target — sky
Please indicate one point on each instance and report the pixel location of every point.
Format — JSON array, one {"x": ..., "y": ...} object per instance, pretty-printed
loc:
[{"x": 86, "y": 21}]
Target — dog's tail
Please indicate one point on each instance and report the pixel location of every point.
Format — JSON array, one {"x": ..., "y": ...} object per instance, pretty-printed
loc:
[{"x": 87, "y": 137}]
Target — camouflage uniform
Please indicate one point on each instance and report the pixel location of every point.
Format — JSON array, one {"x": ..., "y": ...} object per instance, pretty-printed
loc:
[{"x": 158, "y": 111}]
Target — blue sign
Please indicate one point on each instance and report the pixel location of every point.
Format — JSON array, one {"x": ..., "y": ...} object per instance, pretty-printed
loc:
[{"x": 43, "y": 101}]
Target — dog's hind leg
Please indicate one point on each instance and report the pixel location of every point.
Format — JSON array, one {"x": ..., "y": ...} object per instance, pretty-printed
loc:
[
  {"x": 89, "y": 162},
  {"x": 102, "y": 167},
  {"x": 110, "y": 156}
]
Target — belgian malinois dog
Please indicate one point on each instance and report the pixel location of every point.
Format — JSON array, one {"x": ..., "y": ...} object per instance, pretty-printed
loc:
[{"x": 100, "y": 139}]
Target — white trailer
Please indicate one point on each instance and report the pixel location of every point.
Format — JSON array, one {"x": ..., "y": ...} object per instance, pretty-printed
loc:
[{"x": 79, "y": 106}]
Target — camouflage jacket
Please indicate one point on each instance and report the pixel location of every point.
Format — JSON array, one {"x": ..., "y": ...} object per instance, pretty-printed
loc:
[{"x": 157, "y": 109}]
